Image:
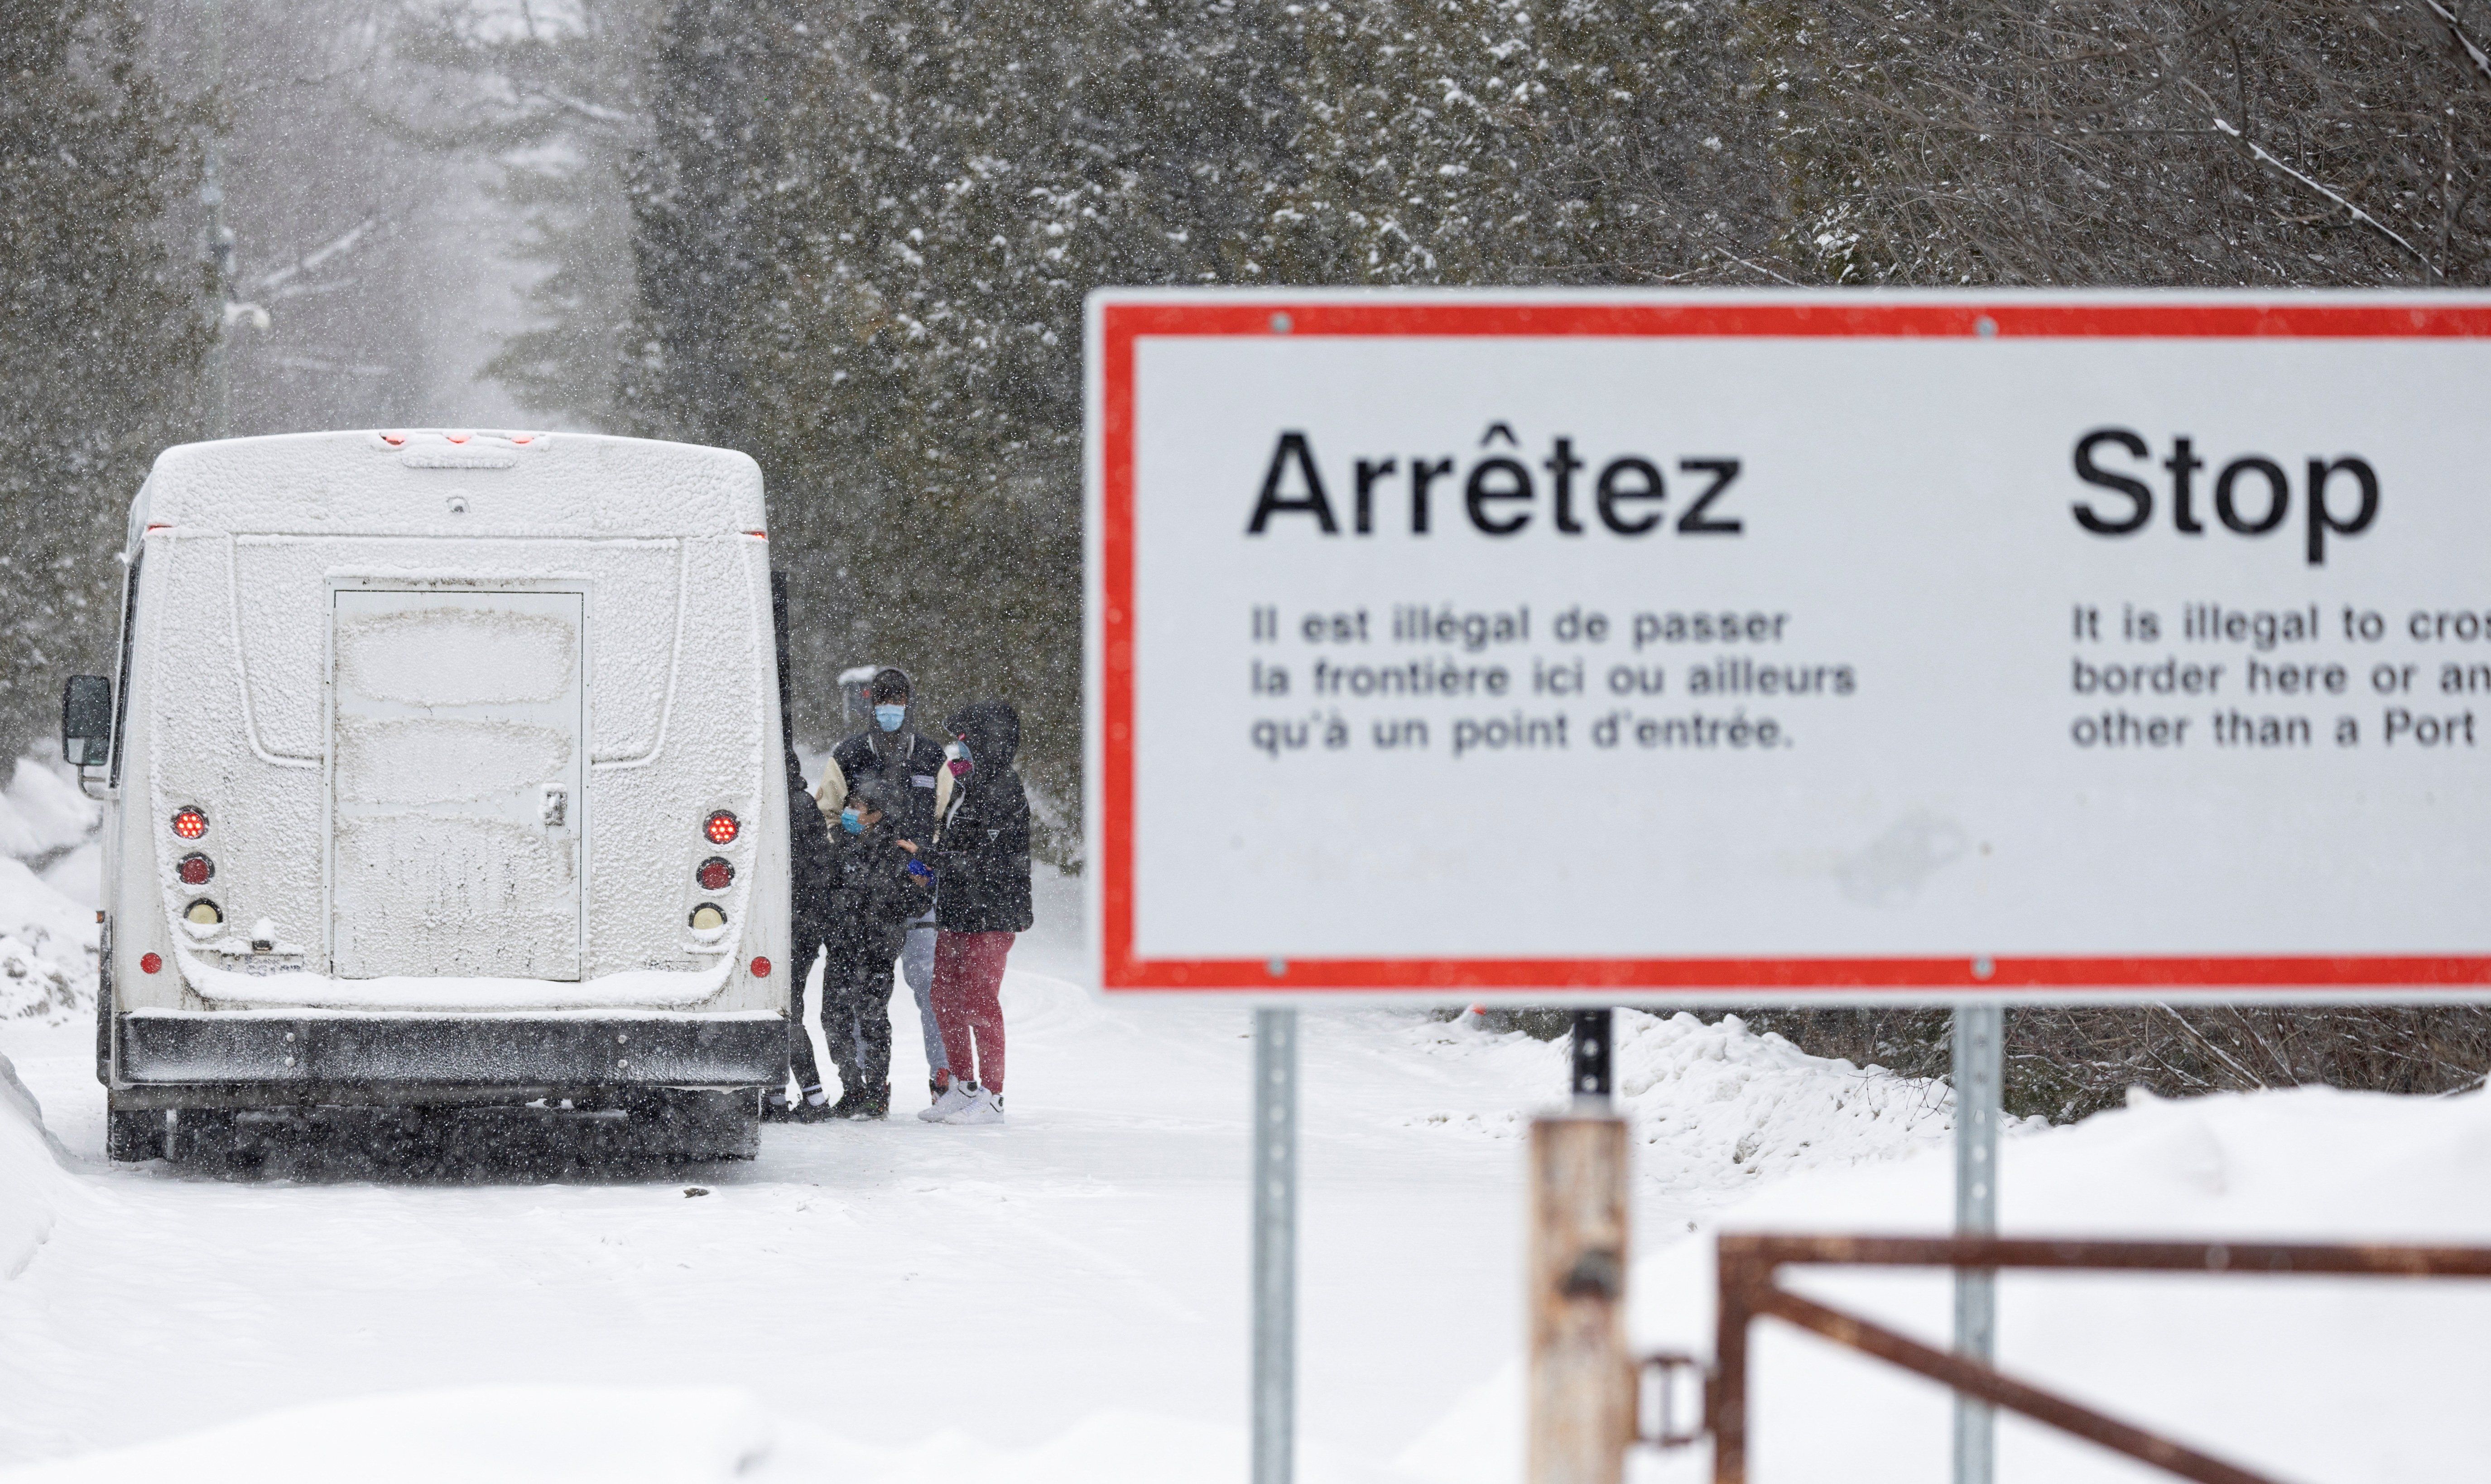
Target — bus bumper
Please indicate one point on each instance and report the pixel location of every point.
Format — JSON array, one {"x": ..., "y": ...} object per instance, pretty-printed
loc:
[{"x": 384, "y": 1058}]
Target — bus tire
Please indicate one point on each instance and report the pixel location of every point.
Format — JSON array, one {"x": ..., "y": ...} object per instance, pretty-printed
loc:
[
  {"x": 698, "y": 1124},
  {"x": 201, "y": 1136},
  {"x": 134, "y": 1134}
]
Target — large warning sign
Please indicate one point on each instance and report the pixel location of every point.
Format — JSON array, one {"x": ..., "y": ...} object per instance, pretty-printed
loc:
[{"x": 1794, "y": 647}]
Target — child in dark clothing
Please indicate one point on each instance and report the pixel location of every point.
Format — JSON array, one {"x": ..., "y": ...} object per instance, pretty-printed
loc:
[{"x": 877, "y": 884}]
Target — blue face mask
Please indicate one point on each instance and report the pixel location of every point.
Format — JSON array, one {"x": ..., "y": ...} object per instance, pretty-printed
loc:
[
  {"x": 852, "y": 822},
  {"x": 888, "y": 717}
]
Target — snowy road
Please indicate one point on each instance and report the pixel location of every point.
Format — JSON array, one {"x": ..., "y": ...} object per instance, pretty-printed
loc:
[
  {"x": 1061, "y": 1300},
  {"x": 883, "y": 1282}
]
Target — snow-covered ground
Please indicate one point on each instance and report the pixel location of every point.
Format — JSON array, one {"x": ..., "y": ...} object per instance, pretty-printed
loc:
[
  {"x": 1062, "y": 1298},
  {"x": 2349, "y": 1381}
]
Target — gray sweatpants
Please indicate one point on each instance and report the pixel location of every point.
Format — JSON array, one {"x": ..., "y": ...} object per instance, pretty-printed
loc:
[{"x": 917, "y": 967}]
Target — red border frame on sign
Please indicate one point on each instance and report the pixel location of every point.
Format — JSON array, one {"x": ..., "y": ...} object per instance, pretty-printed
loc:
[{"x": 1121, "y": 323}]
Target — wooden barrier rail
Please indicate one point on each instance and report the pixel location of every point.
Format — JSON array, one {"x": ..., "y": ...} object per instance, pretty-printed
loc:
[{"x": 1749, "y": 1265}]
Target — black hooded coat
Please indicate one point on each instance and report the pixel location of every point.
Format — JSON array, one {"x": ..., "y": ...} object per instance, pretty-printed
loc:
[
  {"x": 980, "y": 859},
  {"x": 809, "y": 844}
]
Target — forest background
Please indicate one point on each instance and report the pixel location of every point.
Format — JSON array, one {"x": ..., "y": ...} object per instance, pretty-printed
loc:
[{"x": 853, "y": 239}]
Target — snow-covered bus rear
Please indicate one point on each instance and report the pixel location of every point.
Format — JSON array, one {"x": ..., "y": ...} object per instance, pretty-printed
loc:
[{"x": 446, "y": 770}]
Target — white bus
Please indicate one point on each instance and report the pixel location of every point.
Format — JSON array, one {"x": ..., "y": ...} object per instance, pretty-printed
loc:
[{"x": 447, "y": 770}]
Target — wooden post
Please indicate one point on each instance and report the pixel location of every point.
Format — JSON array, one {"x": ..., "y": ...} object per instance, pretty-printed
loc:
[
  {"x": 1582, "y": 1383},
  {"x": 1740, "y": 1281}
]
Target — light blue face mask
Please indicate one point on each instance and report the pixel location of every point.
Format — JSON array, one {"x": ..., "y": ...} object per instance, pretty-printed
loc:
[
  {"x": 888, "y": 717},
  {"x": 852, "y": 822}
]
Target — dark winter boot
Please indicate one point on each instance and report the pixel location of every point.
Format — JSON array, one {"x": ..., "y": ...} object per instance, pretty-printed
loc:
[
  {"x": 816, "y": 1107},
  {"x": 865, "y": 1105}
]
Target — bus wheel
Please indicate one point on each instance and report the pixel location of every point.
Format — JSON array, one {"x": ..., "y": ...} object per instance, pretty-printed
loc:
[
  {"x": 201, "y": 1136},
  {"x": 697, "y": 1125},
  {"x": 134, "y": 1134}
]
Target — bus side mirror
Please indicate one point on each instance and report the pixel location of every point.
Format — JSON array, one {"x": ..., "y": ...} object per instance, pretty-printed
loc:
[{"x": 86, "y": 720}]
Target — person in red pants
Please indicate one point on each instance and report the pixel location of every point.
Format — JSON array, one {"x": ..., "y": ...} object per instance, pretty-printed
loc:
[{"x": 980, "y": 860}]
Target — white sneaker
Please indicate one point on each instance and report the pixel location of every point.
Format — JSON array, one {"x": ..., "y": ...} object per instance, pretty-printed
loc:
[
  {"x": 983, "y": 1108},
  {"x": 955, "y": 1097}
]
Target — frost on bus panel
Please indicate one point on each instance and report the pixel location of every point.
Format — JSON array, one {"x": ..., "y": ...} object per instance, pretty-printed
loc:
[
  {"x": 422, "y": 759},
  {"x": 456, "y": 656}
]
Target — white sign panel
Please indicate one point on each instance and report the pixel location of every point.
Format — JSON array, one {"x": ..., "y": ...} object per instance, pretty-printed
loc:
[{"x": 1793, "y": 646}]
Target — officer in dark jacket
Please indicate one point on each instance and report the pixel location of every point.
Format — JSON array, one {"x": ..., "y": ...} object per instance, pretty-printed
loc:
[
  {"x": 876, "y": 883},
  {"x": 982, "y": 860},
  {"x": 892, "y": 749},
  {"x": 894, "y": 752}
]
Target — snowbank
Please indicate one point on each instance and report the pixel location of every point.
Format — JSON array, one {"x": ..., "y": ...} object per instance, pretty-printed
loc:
[
  {"x": 47, "y": 949},
  {"x": 41, "y": 813},
  {"x": 48, "y": 939},
  {"x": 1717, "y": 1108},
  {"x": 2345, "y": 1380},
  {"x": 559, "y": 1435},
  {"x": 32, "y": 1182},
  {"x": 524, "y": 1435}
]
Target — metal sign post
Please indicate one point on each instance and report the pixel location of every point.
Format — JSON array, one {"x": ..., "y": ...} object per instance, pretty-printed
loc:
[
  {"x": 1275, "y": 1245},
  {"x": 1592, "y": 1059},
  {"x": 1979, "y": 1069}
]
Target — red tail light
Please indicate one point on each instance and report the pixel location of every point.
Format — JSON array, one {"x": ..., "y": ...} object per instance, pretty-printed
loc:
[
  {"x": 195, "y": 869},
  {"x": 714, "y": 874},
  {"x": 722, "y": 827},
  {"x": 761, "y": 968},
  {"x": 188, "y": 823}
]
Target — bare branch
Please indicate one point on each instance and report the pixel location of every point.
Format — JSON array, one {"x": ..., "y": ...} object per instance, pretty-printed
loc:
[
  {"x": 2481, "y": 60},
  {"x": 2258, "y": 150},
  {"x": 309, "y": 262}
]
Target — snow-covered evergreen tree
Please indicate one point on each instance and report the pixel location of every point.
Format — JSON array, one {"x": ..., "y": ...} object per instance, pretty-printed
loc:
[
  {"x": 104, "y": 330},
  {"x": 865, "y": 229},
  {"x": 2301, "y": 142}
]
